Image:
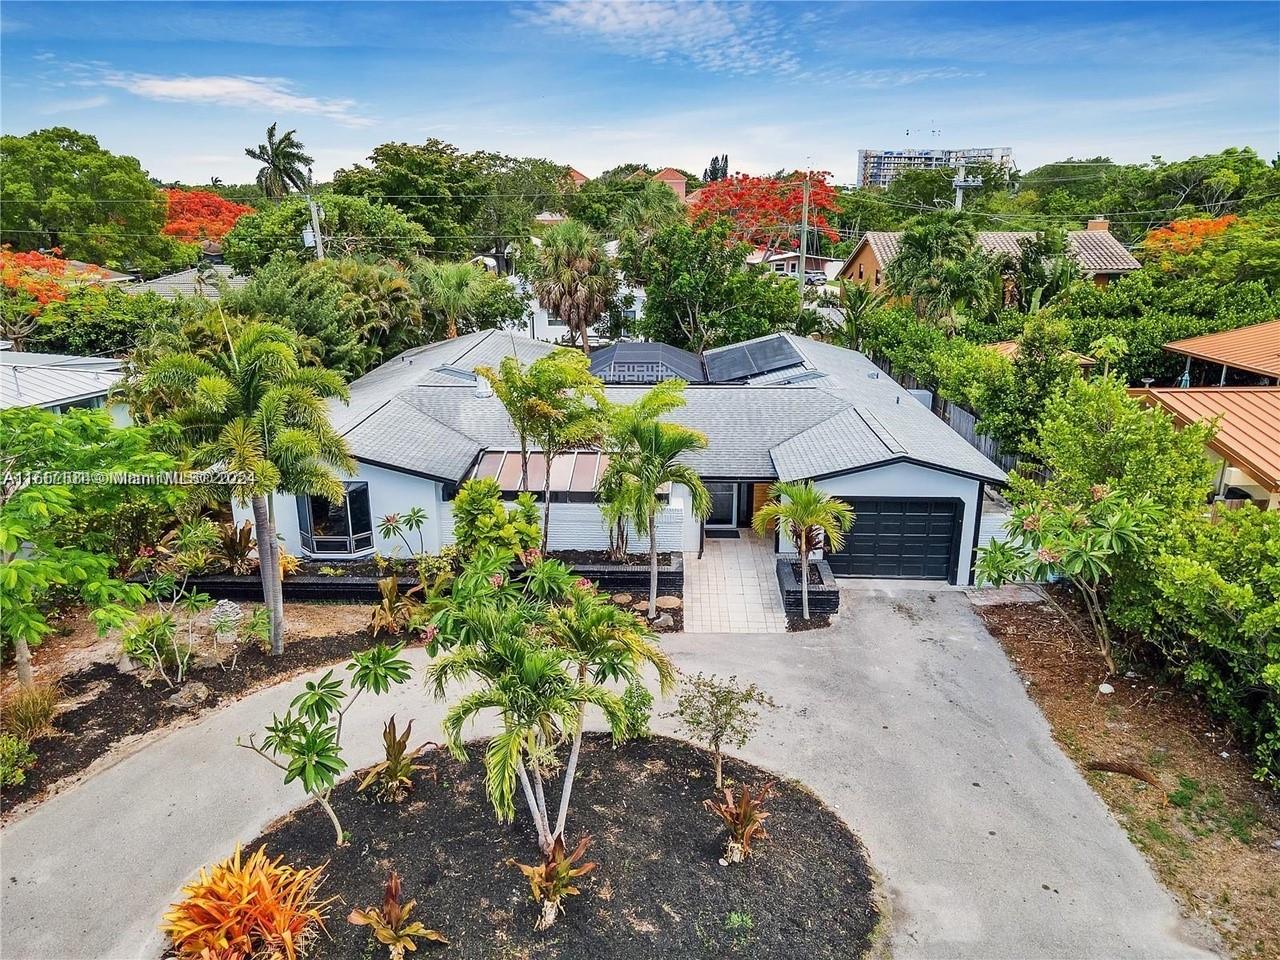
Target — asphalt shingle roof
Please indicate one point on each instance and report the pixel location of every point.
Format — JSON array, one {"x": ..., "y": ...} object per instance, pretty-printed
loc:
[{"x": 183, "y": 283}]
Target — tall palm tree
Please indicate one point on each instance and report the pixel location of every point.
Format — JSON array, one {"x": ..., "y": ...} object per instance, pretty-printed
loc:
[
  {"x": 253, "y": 409},
  {"x": 810, "y": 518},
  {"x": 941, "y": 270},
  {"x": 607, "y": 644},
  {"x": 574, "y": 278},
  {"x": 453, "y": 289},
  {"x": 855, "y": 303},
  {"x": 284, "y": 163},
  {"x": 649, "y": 462},
  {"x": 528, "y": 682}
]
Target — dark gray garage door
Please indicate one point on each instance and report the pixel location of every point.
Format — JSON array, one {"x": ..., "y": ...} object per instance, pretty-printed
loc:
[{"x": 905, "y": 538}]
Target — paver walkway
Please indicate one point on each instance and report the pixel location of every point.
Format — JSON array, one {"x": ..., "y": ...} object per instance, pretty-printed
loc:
[
  {"x": 906, "y": 718},
  {"x": 733, "y": 588}
]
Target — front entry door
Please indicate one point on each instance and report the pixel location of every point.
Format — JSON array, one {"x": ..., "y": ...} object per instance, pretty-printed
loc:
[{"x": 724, "y": 506}]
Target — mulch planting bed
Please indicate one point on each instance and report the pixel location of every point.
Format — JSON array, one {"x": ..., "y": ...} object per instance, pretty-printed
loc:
[
  {"x": 1210, "y": 831},
  {"x": 799, "y": 624},
  {"x": 593, "y": 557},
  {"x": 115, "y": 705},
  {"x": 659, "y": 889}
]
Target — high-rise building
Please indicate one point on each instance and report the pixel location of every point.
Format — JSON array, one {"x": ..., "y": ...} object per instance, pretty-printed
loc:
[{"x": 877, "y": 168}]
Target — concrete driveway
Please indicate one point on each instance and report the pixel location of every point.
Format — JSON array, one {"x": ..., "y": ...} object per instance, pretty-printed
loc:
[{"x": 905, "y": 717}]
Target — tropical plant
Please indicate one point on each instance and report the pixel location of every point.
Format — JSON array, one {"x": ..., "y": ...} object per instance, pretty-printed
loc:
[
  {"x": 396, "y": 525},
  {"x": 309, "y": 735},
  {"x": 607, "y": 645},
  {"x": 941, "y": 270},
  {"x": 236, "y": 549},
  {"x": 255, "y": 409},
  {"x": 390, "y": 923},
  {"x": 719, "y": 713},
  {"x": 381, "y": 303},
  {"x": 392, "y": 777},
  {"x": 637, "y": 704},
  {"x": 285, "y": 163},
  {"x": 564, "y": 413},
  {"x": 744, "y": 815},
  {"x": 574, "y": 278},
  {"x": 1108, "y": 348},
  {"x": 248, "y": 907},
  {"x": 810, "y": 518},
  {"x": 649, "y": 461},
  {"x": 853, "y": 302},
  {"x": 1080, "y": 542},
  {"x": 556, "y": 878},
  {"x": 482, "y": 522},
  {"x": 16, "y": 759},
  {"x": 46, "y": 551},
  {"x": 28, "y": 711},
  {"x": 514, "y": 387},
  {"x": 451, "y": 289},
  {"x": 195, "y": 215},
  {"x": 395, "y": 609},
  {"x": 764, "y": 211},
  {"x": 529, "y": 680}
]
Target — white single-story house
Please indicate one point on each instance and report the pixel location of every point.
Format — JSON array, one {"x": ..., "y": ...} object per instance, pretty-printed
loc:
[
  {"x": 59, "y": 382},
  {"x": 777, "y": 408}
]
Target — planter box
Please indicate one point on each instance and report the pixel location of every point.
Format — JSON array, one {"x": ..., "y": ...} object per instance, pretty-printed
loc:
[
  {"x": 611, "y": 577},
  {"x": 824, "y": 595}
]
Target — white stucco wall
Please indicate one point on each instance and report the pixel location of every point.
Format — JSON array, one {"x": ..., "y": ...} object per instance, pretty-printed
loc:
[{"x": 911, "y": 480}]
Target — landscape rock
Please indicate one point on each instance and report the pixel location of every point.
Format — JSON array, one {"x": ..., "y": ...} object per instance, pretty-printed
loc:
[
  {"x": 664, "y": 620},
  {"x": 126, "y": 665},
  {"x": 1106, "y": 688},
  {"x": 191, "y": 694},
  {"x": 669, "y": 603}
]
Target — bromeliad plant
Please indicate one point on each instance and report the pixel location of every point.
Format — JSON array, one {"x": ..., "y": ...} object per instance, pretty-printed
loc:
[
  {"x": 744, "y": 815},
  {"x": 247, "y": 907},
  {"x": 392, "y": 777},
  {"x": 306, "y": 743},
  {"x": 390, "y": 923},
  {"x": 554, "y": 878}
]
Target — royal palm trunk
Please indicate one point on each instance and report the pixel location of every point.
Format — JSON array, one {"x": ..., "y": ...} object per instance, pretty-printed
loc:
[
  {"x": 653, "y": 568},
  {"x": 268, "y": 570}
]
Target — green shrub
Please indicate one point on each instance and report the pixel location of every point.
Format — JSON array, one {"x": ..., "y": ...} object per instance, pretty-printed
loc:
[
  {"x": 482, "y": 521},
  {"x": 637, "y": 709},
  {"x": 15, "y": 759},
  {"x": 28, "y": 711}
]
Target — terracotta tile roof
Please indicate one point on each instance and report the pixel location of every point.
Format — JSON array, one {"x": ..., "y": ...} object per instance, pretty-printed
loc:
[
  {"x": 1096, "y": 251},
  {"x": 1248, "y": 434},
  {"x": 1255, "y": 348}
]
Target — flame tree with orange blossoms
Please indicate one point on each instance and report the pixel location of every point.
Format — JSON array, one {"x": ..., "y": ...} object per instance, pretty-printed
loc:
[
  {"x": 1183, "y": 236},
  {"x": 766, "y": 211},
  {"x": 195, "y": 215}
]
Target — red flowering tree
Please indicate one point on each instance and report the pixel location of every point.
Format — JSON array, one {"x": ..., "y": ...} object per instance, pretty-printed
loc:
[
  {"x": 766, "y": 211},
  {"x": 195, "y": 215},
  {"x": 31, "y": 280},
  {"x": 1183, "y": 236}
]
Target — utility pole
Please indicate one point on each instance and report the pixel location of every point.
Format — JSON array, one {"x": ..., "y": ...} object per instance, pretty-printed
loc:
[
  {"x": 315, "y": 228},
  {"x": 804, "y": 241},
  {"x": 963, "y": 183}
]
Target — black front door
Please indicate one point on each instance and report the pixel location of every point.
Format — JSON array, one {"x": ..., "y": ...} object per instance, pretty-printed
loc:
[
  {"x": 724, "y": 505},
  {"x": 901, "y": 538}
]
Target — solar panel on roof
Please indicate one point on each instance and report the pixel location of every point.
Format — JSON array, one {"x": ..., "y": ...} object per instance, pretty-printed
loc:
[
  {"x": 732, "y": 363},
  {"x": 772, "y": 354}
]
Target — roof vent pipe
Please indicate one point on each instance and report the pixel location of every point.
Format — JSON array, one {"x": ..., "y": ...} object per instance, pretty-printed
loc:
[{"x": 483, "y": 387}]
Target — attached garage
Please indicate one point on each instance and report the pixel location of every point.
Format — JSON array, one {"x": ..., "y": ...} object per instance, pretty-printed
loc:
[{"x": 901, "y": 537}]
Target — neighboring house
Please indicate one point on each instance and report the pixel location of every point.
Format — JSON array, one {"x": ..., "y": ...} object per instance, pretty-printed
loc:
[
  {"x": 78, "y": 270},
  {"x": 1097, "y": 253},
  {"x": 776, "y": 408},
  {"x": 58, "y": 383},
  {"x": 672, "y": 177},
  {"x": 1247, "y": 355},
  {"x": 541, "y": 325},
  {"x": 786, "y": 261},
  {"x": 1246, "y": 446},
  {"x": 187, "y": 283},
  {"x": 879, "y": 168},
  {"x": 1009, "y": 350}
]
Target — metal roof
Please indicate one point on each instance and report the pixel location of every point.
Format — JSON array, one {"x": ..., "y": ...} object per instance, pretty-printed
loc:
[
  {"x": 51, "y": 380},
  {"x": 1248, "y": 433},
  {"x": 645, "y": 362},
  {"x": 1255, "y": 348},
  {"x": 184, "y": 283},
  {"x": 1094, "y": 251}
]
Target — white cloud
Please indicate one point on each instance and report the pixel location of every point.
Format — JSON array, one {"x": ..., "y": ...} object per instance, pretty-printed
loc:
[
  {"x": 91, "y": 102},
  {"x": 271, "y": 94}
]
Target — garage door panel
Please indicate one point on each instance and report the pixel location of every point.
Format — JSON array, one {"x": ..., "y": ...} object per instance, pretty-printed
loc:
[{"x": 906, "y": 539}]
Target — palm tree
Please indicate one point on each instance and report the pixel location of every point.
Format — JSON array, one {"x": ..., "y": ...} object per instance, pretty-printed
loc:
[
  {"x": 253, "y": 409},
  {"x": 649, "y": 461},
  {"x": 454, "y": 289},
  {"x": 855, "y": 303},
  {"x": 515, "y": 388},
  {"x": 528, "y": 682},
  {"x": 941, "y": 270},
  {"x": 573, "y": 277},
  {"x": 608, "y": 645},
  {"x": 383, "y": 304},
  {"x": 284, "y": 162},
  {"x": 810, "y": 518}
]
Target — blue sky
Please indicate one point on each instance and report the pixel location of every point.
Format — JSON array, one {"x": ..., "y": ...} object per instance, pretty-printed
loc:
[{"x": 184, "y": 87}]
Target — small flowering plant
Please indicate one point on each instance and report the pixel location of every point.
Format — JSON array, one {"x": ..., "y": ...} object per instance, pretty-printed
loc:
[{"x": 1079, "y": 543}]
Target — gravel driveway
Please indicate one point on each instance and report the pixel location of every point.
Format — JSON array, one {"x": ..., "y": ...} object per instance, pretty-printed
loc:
[{"x": 905, "y": 717}]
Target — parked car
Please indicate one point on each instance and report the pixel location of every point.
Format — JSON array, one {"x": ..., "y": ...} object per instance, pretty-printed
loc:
[{"x": 815, "y": 278}]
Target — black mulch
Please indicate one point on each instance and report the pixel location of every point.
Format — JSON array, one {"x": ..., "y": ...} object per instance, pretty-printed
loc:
[
  {"x": 592, "y": 557},
  {"x": 798, "y": 624},
  {"x": 117, "y": 705},
  {"x": 659, "y": 890}
]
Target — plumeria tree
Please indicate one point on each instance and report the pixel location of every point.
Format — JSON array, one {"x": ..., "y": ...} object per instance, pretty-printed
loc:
[{"x": 810, "y": 518}]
